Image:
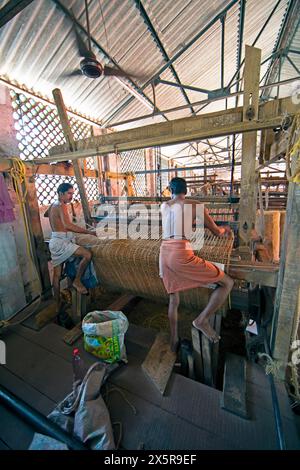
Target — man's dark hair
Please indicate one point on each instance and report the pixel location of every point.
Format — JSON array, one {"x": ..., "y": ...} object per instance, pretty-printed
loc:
[
  {"x": 64, "y": 187},
  {"x": 178, "y": 186}
]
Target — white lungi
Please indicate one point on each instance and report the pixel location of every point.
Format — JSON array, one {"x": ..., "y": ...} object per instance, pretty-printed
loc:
[{"x": 62, "y": 246}]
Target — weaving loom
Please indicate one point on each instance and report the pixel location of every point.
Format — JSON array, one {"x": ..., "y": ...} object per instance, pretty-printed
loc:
[{"x": 133, "y": 266}]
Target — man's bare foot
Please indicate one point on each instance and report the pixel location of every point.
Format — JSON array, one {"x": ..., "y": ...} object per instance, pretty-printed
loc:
[
  {"x": 79, "y": 287},
  {"x": 204, "y": 327}
]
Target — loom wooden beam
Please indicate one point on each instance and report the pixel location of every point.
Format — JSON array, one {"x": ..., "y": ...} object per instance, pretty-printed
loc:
[
  {"x": 248, "y": 199},
  {"x": 61, "y": 170},
  {"x": 286, "y": 310},
  {"x": 180, "y": 130},
  {"x": 267, "y": 136},
  {"x": 279, "y": 147},
  {"x": 45, "y": 169},
  {"x": 62, "y": 113},
  {"x": 263, "y": 275}
]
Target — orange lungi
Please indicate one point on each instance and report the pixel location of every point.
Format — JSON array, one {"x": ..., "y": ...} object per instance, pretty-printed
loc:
[{"x": 181, "y": 269}]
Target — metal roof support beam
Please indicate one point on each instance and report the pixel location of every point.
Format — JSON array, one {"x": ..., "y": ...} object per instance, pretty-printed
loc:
[
  {"x": 185, "y": 168},
  {"x": 192, "y": 41},
  {"x": 233, "y": 163},
  {"x": 11, "y": 9},
  {"x": 293, "y": 65},
  {"x": 274, "y": 54},
  {"x": 177, "y": 55},
  {"x": 279, "y": 74},
  {"x": 195, "y": 156},
  {"x": 256, "y": 39},
  {"x": 204, "y": 103},
  {"x": 222, "y": 49},
  {"x": 180, "y": 85},
  {"x": 287, "y": 32},
  {"x": 214, "y": 153},
  {"x": 160, "y": 45},
  {"x": 240, "y": 44}
]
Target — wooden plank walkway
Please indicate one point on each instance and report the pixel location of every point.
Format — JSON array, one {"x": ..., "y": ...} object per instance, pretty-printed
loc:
[{"x": 188, "y": 416}]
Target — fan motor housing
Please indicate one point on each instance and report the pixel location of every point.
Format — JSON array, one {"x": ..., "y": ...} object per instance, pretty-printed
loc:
[{"x": 91, "y": 68}]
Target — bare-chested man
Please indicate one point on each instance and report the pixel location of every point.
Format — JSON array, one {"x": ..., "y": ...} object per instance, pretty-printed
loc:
[{"x": 62, "y": 244}]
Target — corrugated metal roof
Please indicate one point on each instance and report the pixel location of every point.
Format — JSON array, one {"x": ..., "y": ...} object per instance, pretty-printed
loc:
[{"x": 38, "y": 48}]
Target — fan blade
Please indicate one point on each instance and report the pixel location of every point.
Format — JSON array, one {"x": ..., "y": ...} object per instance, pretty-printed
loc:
[
  {"x": 74, "y": 73},
  {"x": 114, "y": 72}
]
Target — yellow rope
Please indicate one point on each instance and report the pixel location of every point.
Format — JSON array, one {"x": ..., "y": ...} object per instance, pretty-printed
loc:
[
  {"x": 272, "y": 366},
  {"x": 18, "y": 175}
]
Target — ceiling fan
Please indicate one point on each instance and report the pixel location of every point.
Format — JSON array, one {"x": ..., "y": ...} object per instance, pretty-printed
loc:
[{"x": 89, "y": 65}]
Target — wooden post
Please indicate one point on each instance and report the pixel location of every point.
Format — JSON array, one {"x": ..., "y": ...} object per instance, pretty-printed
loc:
[
  {"x": 38, "y": 242},
  {"x": 64, "y": 120},
  {"x": 286, "y": 301},
  {"x": 248, "y": 200}
]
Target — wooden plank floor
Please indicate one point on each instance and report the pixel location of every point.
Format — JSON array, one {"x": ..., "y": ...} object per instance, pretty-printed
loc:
[{"x": 189, "y": 416}]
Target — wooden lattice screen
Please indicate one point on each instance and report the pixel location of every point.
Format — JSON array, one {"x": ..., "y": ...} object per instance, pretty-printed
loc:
[
  {"x": 135, "y": 161},
  {"x": 38, "y": 128}
]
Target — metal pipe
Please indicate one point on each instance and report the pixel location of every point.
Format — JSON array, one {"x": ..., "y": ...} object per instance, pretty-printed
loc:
[
  {"x": 188, "y": 87},
  {"x": 222, "y": 49},
  {"x": 213, "y": 199},
  {"x": 197, "y": 167},
  {"x": 199, "y": 154},
  {"x": 38, "y": 421},
  {"x": 88, "y": 24},
  {"x": 292, "y": 64},
  {"x": 232, "y": 166},
  {"x": 275, "y": 403},
  {"x": 240, "y": 45}
]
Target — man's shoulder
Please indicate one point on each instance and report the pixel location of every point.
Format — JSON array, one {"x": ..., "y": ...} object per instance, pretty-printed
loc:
[{"x": 56, "y": 206}]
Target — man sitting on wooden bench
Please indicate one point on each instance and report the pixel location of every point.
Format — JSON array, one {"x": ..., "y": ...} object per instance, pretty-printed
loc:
[{"x": 62, "y": 243}]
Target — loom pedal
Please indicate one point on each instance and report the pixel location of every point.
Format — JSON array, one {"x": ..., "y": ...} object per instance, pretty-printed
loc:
[
  {"x": 233, "y": 398},
  {"x": 159, "y": 362}
]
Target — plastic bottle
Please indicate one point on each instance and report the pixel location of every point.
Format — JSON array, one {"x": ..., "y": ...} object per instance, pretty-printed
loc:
[{"x": 78, "y": 367}]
